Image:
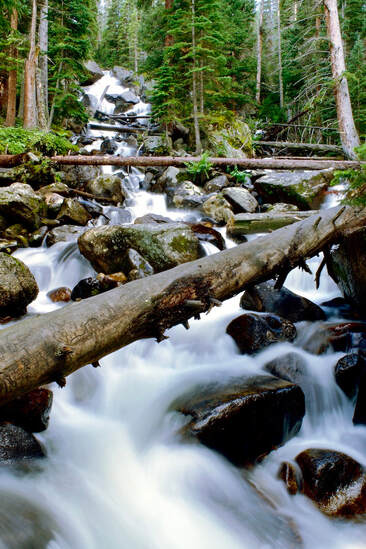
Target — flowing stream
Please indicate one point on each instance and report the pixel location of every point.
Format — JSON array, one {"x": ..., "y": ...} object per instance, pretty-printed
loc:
[{"x": 116, "y": 474}]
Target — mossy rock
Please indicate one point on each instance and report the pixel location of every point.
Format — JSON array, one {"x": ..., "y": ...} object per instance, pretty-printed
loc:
[
  {"x": 232, "y": 141},
  {"x": 20, "y": 204},
  {"x": 164, "y": 246},
  {"x": 18, "y": 286}
]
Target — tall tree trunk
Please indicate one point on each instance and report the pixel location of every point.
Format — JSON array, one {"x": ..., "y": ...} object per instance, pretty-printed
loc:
[
  {"x": 347, "y": 128},
  {"x": 12, "y": 78},
  {"x": 194, "y": 82},
  {"x": 282, "y": 102},
  {"x": 259, "y": 52},
  {"x": 168, "y": 37},
  {"x": 42, "y": 72},
  {"x": 30, "y": 103}
]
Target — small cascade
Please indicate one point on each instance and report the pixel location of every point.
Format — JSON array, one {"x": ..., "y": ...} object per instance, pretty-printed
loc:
[{"x": 118, "y": 476}]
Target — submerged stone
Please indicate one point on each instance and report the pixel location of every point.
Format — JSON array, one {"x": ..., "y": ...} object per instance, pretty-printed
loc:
[
  {"x": 16, "y": 444},
  {"x": 246, "y": 419}
]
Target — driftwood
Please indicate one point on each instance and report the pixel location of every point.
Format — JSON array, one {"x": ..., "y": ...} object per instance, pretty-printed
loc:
[
  {"x": 49, "y": 347},
  {"x": 7, "y": 161},
  {"x": 299, "y": 146},
  {"x": 252, "y": 223}
]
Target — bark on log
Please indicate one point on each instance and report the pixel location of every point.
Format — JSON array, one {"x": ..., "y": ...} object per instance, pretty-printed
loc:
[
  {"x": 119, "y": 129},
  {"x": 299, "y": 146},
  {"x": 7, "y": 161},
  {"x": 48, "y": 348},
  {"x": 252, "y": 223}
]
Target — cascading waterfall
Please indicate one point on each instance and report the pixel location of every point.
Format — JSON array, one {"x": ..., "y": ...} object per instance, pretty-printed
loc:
[{"x": 117, "y": 475}]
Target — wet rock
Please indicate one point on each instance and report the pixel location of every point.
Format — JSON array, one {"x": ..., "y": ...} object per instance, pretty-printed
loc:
[
  {"x": 246, "y": 419},
  {"x": 280, "y": 207},
  {"x": 54, "y": 204},
  {"x": 188, "y": 195},
  {"x": 62, "y": 294},
  {"x": 163, "y": 245},
  {"x": 58, "y": 188},
  {"x": 90, "y": 103},
  {"x": 31, "y": 412},
  {"x": 125, "y": 76},
  {"x": 152, "y": 218},
  {"x": 335, "y": 482},
  {"x": 20, "y": 204},
  {"x": 206, "y": 233},
  {"x": 341, "y": 336},
  {"x": 252, "y": 332},
  {"x": 122, "y": 101},
  {"x": 93, "y": 73},
  {"x": 339, "y": 307},
  {"x": 95, "y": 210},
  {"x": 291, "y": 477},
  {"x": 73, "y": 212},
  {"x": 18, "y": 287},
  {"x": 348, "y": 268},
  {"x": 348, "y": 371},
  {"x": 16, "y": 444},
  {"x": 8, "y": 246},
  {"x": 65, "y": 233},
  {"x": 37, "y": 237},
  {"x": 304, "y": 189},
  {"x": 359, "y": 416},
  {"x": 291, "y": 367},
  {"x": 241, "y": 200},
  {"x": 76, "y": 177},
  {"x": 136, "y": 266},
  {"x": 19, "y": 233},
  {"x": 168, "y": 181},
  {"x": 108, "y": 146},
  {"x": 264, "y": 298},
  {"x": 107, "y": 186},
  {"x": 218, "y": 208},
  {"x": 217, "y": 184},
  {"x": 91, "y": 286}
]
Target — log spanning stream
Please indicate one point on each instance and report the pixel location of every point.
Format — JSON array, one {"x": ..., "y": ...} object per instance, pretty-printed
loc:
[{"x": 116, "y": 474}]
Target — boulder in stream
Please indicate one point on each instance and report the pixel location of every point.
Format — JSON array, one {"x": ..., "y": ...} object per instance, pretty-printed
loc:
[
  {"x": 265, "y": 298},
  {"x": 76, "y": 177},
  {"x": 18, "y": 286},
  {"x": 291, "y": 367},
  {"x": 107, "y": 186},
  {"x": 163, "y": 245},
  {"x": 60, "y": 295},
  {"x": 93, "y": 73},
  {"x": 218, "y": 209},
  {"x": 241, "y": 200},
  {"x": 246, "y": 419},
  {"x": 188, "y": 195},
  {"x": 16, "y": 445},
  {"x": 252, "y": 332},
  {"x": 335, "y": 482},
  {"x": 348, "y": 372},
  {"x": 31, "y": 411},
  {"x": 73, "y": 212},
  {"x": 125, "y": 76},
  {"x": 65, "y": 233},
  {"x": 304, "y": 189},
  {"x": 347, "y": 267}
]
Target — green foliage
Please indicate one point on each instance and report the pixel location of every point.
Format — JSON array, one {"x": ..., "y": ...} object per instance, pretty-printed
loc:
[
  {"x": 19, "y": 140},
  {"x": 240, "y": 176},
  {"x": 200, "y": 168}
]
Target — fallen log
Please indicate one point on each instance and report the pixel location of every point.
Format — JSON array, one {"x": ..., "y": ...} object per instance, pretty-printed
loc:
[
  {"x": 119, "y": 129},
  {"x": 252, "y": 223},
  {"x": 147, "y": 161},
  {"x": 299, "y": 146},
  {"x": 49, "y": 347}
]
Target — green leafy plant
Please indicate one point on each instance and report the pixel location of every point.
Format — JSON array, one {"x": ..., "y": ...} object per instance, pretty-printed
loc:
[
  {"x": 200, "y": 168},
  {"x": 240, "y": 176},
  {"x": 356, "y": 180},
  {"x": 19, "y": 140}
]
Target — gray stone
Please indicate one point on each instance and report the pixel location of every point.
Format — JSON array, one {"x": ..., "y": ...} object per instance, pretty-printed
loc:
[
  {"x": 94, "y": 73},
  {"x": 163, "y": 245},
  {"x": 168, "y": 182},
  {"x": 65, "y": 233},
  {"x": 304, "y": 189},
  {"x": 73, "y": 212},
  {"x": 217, "y": 184},
  {"x": 76, "y": 177},
  {"x": 218, "y": 209},
  {"x": 107, "y": 186},
  {"x": 241, "y": 200},
  {"x": 20, "y": 204},
  {"x": 16, "y": 444},
  {"x": 18, "y": 286},
  {"x": 188, "y": 195},
  {"x": 125, "y": 76}
]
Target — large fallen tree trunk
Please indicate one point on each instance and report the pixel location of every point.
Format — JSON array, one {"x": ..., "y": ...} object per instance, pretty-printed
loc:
[
  {"x": 119, "y": 129},
  {"x": 49, "y": 347},
  {"x": 7, "y": 161},
  {"x": 252, "y": 223},
  {"x": 299, "y": 146}
]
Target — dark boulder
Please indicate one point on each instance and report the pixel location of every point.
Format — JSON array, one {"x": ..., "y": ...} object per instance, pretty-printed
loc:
[
  {"x": 245, "y": 420},
  {"x": 16, "y": 444},
  {"x": 336, "y": 336},
  {"x": 347, "y": 267},
  {"x": 335, "y": 482},
  {"x": 252, "y": 332},
  {"x": 291, "y": 476},
  {"x": 265, "y": 298},
  {"x": 136, "y": 266},
  {"x": 31, "y": 411},
  {"x": 73, "y": 212},
  {"x": 348, "y": 371},
  {"x": 89, "y": 287},
  {"x": 205, "y": 233},
  {"x": 108, "y": 146}
]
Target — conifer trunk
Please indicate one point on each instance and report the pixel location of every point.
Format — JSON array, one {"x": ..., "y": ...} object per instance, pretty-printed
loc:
[
  {"x": 282, "y": 102},
  {"x": 12, "y": 78},
  {"x": 347, "y": 128},
  {"x": 42, "y": 72},
  {"x": 194, "y": 82},
  {"x": 259, "y": 52},
  {"x": 30, "y": 104}
]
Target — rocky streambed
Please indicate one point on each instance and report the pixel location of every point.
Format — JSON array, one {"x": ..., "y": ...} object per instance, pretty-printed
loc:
[{"x": 245, "y": 431}]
